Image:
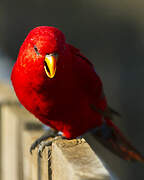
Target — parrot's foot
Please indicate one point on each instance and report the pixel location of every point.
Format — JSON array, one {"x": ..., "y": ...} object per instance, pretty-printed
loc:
[
  {"x": 50, "y": 134},
  {"x": 43, "y": 144}
]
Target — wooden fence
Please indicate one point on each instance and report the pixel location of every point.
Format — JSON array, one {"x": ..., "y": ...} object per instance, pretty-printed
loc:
[{"x": 64, "y": 160}]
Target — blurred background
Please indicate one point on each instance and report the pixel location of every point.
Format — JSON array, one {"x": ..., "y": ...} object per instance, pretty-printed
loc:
[{"x": 111, "y": 34}]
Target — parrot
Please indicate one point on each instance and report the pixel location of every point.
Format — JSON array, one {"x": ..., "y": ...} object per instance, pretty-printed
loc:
[{"x": 55, "y": 82}]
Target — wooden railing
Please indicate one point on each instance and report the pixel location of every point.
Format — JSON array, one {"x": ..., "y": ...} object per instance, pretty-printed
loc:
[{"x": 64, "y": 160}]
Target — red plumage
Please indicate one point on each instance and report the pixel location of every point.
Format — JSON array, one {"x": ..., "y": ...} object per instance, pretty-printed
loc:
[{"x": 73, "y": 100}]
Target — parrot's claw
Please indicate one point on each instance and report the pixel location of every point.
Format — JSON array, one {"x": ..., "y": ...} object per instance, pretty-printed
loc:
[
  {"x": 43, "y": 144},
  {"x": 37, "y": 142}
]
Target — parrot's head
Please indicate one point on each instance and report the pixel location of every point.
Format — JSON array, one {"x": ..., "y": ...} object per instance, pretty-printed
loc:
[{"x": 41, "y": 50}]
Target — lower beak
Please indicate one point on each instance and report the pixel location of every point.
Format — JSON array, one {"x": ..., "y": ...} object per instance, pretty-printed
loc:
[{"x": 50, "y": 65}]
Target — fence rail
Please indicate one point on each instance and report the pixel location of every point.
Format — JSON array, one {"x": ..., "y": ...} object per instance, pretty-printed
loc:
[{"x": 64, "y": 160}]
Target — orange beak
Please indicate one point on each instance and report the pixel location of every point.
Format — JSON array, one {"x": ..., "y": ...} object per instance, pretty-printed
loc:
[{"x": 50, "y": 65}]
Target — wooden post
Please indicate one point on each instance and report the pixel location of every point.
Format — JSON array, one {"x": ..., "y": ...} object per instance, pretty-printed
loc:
[
  {"x": 74, "y": 159},
  {"x": 35, "y": 168},
  {"x": 32, "y": 164},
  {"x": 8, "y": 139},
  {"x": 69, "y": 160},
  {"x": 9, "y": 144}
]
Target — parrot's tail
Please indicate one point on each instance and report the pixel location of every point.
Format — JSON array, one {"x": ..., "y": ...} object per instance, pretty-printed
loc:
[{"x": 111, "y": 137}]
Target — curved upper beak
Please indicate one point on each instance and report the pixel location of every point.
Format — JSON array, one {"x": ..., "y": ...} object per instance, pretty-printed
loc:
[{"x": 50, "y": 64}]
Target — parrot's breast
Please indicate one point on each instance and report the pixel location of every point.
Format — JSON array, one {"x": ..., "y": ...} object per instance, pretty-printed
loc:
[{"x": 62, "y": 103}]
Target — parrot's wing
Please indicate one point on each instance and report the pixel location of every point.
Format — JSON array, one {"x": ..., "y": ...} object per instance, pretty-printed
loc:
[
  {"x": 107, "y": 113},
  {"x": 78, "y": 53},
  {"x": 114, "y": 112},
  {"x": 86, "y": 77}
]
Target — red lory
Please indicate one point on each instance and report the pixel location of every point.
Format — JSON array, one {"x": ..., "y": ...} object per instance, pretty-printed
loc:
[{"x": 58, "y": 84}]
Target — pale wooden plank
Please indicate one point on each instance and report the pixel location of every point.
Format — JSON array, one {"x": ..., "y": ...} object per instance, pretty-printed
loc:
[
  {"x": 75, "y": 160},
  {"x": 9, "y": 144}
]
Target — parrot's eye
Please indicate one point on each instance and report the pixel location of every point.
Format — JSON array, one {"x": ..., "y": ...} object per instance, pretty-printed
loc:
[{"x": 36, "y": 50}]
